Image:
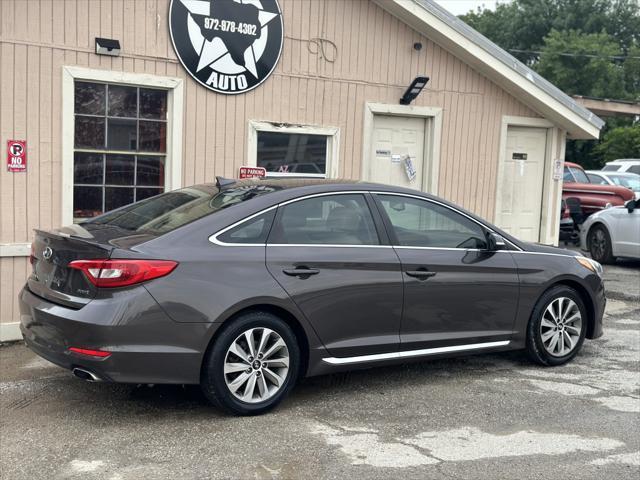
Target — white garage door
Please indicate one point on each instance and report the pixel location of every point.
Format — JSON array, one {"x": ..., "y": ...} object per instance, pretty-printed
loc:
[
  {"x": 519, "y": 202},
  {"x": 394, "y": 138}
]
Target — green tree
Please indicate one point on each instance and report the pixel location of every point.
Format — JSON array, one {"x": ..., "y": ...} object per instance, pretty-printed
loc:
[
  {"x": 620, "y": 142},
  {"x": 581, "y": 64}
]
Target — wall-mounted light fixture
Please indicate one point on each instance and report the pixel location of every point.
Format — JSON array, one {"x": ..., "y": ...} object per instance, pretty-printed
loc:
[
  {"x": 414, "y": 90},
  {"x": 107, "y": 46}
]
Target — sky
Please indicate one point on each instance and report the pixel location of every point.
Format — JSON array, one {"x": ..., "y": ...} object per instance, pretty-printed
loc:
[{"x": 458, "y": 7}]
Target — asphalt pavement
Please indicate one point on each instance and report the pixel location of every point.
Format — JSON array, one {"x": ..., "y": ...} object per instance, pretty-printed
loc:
[{"x": 487, "y": 416}]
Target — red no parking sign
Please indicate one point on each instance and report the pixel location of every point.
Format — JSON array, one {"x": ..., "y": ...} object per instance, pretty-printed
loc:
[{"x": 17, "y": 155}]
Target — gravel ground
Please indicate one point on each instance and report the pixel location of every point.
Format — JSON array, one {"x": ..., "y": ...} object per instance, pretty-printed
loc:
[{"x": 488, "y": 416}]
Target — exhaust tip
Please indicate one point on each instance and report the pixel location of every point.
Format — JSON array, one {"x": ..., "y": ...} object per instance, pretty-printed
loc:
[{"x": 86, "y": 375}]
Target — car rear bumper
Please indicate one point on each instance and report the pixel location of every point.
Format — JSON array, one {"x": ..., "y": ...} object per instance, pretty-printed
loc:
[{"x": 146, "y": 345}]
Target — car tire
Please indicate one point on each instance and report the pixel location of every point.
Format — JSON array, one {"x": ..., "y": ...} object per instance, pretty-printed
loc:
[
  {"x": 599, "y": 242},
  {"x": 267, "y": 375},
  {"x": 564, "y": 303}
]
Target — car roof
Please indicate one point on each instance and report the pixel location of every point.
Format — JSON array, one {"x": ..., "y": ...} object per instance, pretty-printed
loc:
[
  {"x": 624, "y": 160},
  {"x": 606, "y": 173},
  {"x": 571, "y": 164}
]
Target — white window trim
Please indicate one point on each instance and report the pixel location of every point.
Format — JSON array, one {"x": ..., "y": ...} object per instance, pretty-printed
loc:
[
  {"x": 432, "y": 138},
  {"x": 175, "y": 105},
  {"x": 552, "y": 189},
  {"x": 333, "y": 144}
]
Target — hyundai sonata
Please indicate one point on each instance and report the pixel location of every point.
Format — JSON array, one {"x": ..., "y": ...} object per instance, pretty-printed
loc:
[{"x": 245, "y": 286}]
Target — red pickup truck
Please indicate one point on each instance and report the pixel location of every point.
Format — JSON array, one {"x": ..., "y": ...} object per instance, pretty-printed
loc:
[{"x": 593, "y": 198}]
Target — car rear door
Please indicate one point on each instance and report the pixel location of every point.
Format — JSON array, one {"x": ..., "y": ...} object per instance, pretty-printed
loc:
[
  {"x": 456, "y": 292},
  {"x": 331, "y": 254}
]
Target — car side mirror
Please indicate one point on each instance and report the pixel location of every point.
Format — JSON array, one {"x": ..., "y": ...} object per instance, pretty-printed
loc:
[
  {"x": 631, "y": 205},
  {"x": 495, "y": 242}
]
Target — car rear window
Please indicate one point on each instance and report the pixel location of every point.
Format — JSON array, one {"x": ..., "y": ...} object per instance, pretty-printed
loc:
[{"x": 168, "y": 211}]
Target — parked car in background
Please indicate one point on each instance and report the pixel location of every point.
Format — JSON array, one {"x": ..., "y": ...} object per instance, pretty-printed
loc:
[
  {"x": 592, "y": 197},
  {"x": 611, "y": 233},
  {"x": 623, "y": 165},
  {"x": 246, "y": 286},
  {"x": 622, "y": 179}
]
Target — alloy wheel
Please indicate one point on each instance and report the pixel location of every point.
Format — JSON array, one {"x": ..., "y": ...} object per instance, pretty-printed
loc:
[
  {"x": 561, "y": 327},
  {"x": 256, "y": 365},
  {"x": 598, "y": 243}
]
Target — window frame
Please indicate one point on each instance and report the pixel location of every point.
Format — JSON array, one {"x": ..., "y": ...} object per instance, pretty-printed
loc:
[
  {"x": 174, "y": 121},
  {"x": 333, "y": 146}
]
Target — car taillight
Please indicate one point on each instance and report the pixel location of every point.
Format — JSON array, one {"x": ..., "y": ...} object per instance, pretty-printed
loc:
[{"x": 121, "y": 273}]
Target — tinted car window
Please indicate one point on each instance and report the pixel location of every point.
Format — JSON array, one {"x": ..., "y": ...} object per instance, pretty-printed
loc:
[
  {"x": 329, "y": 220},
  {"x": 611, "y": 168},
  {"x": 634, "y": 169},
  {"x": 419, "y": 223},
  {"x": 579, "y": 175},
  {"x": 254, "y": 230},
  {"x": 567, "y": 177},
  {"x": 166, "y": 212}
]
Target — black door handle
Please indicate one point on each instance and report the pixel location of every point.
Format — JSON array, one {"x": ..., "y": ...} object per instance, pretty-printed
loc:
[
  {"x": 420, "y": 274},
  {"x": 300, "y": 271}
]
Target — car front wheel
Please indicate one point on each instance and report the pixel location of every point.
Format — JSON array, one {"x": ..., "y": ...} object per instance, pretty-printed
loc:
[
  {"x": 600, "y": 245},
  {"x": 252, "y": 365},
  {"x": 557, "y": 327}
]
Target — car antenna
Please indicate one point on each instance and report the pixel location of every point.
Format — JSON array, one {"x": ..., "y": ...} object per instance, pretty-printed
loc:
[{"x": 222, "y": 182}]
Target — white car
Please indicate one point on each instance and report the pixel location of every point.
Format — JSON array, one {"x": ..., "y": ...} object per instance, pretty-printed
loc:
[
  {"x": 613, "y": 232},
  {"x": 623, "y": 165},
  {"x": 622, "y": 179}
]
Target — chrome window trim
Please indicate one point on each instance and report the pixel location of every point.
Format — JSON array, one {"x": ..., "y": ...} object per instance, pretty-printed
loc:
[
  {"x": 214, "y": 237},
  {"x": 413, "y": 353},
  {"x": 450, "y": 208}
]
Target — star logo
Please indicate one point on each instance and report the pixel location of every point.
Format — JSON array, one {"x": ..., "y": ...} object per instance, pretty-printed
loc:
[{"x": 229, "y": 46}]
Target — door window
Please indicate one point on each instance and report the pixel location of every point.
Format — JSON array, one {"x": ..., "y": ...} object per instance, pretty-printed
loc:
[
  {"x": 419, "y": 223},
  {"x": 326, "y": 220}
]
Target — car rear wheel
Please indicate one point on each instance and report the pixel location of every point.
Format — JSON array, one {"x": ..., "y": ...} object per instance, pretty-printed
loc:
[
  {"x": 557, "y": 327},
  {"x": 252, "y": 365},
  {"x": 600, "y": 245}
]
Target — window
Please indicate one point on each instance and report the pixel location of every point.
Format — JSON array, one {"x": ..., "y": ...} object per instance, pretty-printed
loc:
[
  {"x": 253, "y": 231},
  {"x": 120, "y": 146},
  {"x": 611, "y": 168},
  {"x": 575, "y": 175},
  {"x": 597, "y": 179},
  {"x": 326, "y": 220},
  {"x": 567, "y": 177},
  {"x": 171, "y": 210},
  {"x": 629, "y": 181},
  {"x": 292, "y": 153},
  {"x": 419, "y": 223},
  {"x": 634, "y": 169}
]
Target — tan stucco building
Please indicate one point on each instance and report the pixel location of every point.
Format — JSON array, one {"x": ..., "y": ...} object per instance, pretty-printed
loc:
[{"x": 101, "y": 130}]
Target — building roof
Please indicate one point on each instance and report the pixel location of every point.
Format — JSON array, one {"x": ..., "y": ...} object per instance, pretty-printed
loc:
[{"x": 504, "y": 69}]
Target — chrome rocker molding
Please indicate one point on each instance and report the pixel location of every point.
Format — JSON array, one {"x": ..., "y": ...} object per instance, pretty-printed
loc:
[{"x": 412, "y": 353}]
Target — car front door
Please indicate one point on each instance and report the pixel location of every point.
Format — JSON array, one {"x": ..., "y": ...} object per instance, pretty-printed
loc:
[
  {"x": 625, "y": 231},
  {"x": 457, "y": 293},
  {"x": 331, "y": 255}
]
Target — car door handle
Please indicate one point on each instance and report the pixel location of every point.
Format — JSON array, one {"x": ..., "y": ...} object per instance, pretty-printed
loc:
[
  {"x": 420, "y": 274},
  {"x": 300, "y": 271}
]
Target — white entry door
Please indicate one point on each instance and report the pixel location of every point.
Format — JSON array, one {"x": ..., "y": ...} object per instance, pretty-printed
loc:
[
  {"x": 395, "y": 138},
  {"x": 519, "y": 202}
]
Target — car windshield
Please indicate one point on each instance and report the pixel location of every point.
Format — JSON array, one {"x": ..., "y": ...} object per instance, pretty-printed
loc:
[
  {"x": 168, "y": 211},
  {"x": 632, "y": 182},
  {"x": 579, "y": 175}
]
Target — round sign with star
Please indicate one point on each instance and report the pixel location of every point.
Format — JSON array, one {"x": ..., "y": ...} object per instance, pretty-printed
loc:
[{"x": 229, "y": 46}]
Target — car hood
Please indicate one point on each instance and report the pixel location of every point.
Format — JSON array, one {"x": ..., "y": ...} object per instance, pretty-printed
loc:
[{"x": 539, "y": 248}]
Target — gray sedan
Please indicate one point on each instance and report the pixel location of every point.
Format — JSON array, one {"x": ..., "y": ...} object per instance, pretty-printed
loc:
[{"x": 245, "y": 286}]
